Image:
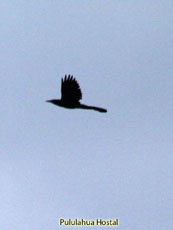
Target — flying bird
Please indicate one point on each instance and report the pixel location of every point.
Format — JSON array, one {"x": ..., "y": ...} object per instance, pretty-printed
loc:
[{"x": 71, "y": 95}]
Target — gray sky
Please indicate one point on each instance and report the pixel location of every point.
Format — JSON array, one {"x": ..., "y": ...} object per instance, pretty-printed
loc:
[{"x": 58, "y": 163}]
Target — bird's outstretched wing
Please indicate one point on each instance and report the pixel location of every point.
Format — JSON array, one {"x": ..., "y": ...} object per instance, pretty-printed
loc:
[{"x": 70, "y": 89}]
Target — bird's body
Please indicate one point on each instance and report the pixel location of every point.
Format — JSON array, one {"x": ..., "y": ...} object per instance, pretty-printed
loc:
[
  {"x": 64, "y": 104},
  {"x": 71, "y": 94}
]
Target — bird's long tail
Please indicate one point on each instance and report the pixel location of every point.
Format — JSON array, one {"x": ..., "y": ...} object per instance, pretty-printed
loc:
[{"x": 92, "y": 107}]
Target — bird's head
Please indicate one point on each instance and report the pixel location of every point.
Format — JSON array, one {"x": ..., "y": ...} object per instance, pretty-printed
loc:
[{"x": 54, "y": 101}]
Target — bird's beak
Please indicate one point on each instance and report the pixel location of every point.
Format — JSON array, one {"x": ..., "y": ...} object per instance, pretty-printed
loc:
[{"x": 48, "y": 101}]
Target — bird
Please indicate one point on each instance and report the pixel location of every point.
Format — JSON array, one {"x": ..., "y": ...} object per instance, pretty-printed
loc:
[{"x": 71, "y": 95}]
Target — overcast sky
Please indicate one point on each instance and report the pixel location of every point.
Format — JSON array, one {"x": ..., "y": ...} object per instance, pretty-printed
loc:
[{"x": 59, "y": 163}]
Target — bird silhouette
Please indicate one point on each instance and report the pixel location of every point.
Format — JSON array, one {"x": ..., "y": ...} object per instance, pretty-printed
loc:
[{"x": 71, "y": 95}]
